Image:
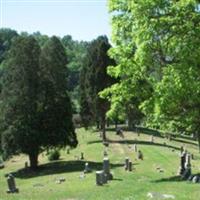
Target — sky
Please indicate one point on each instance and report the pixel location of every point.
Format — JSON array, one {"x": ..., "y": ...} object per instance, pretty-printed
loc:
[{"x": 82, "y": 19}]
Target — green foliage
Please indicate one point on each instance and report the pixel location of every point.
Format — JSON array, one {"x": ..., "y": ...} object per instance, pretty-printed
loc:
[{"x": 157, "y": 52}]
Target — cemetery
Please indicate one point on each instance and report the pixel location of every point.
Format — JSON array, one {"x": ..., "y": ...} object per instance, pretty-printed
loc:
[
  {"x": 103, "y": 103},
  {"x": 165, "y": 172}
]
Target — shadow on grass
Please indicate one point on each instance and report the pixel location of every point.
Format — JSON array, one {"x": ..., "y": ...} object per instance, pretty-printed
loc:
[
  {"x": 169, "y": 179},
  {"x": 183, "y": 141},
  {"x": 148, "y": 131},
  {"x": 128, "y": 142},
  {"x": 59, "y": 167}
]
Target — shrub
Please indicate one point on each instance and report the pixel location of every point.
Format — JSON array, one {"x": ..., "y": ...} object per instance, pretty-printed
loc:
[{"x": 54, "y": 155}]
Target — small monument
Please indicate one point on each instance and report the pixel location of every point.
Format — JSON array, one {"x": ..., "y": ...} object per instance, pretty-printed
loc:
[
  {"x": 152, "y": 139},
  {"x": 135, "y": 147},
  {"x": 68, "y": 151},
  {"x": 106, "y": 169},
  {"x": 140, "y": 155},
  {"x": 1, "y": 164},
  {"x": 105, "y": 153},
  {"x": 182, "y": 149},
  {"x": 26, "y": 165},
  {"x": 130, "y": 166},
  {"x": 126, "y": 163},
  {"x": 187, "y": 172},
  {"x": 11, "y": 184},
  {"x": 87, "y": 169},
  {"x": 182, "y": 163},
  {"x": 99, "y": 177},
  {"x": 82, "y": 156}
]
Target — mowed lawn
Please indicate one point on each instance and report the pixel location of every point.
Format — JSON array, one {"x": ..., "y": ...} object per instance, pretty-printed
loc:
[{"x": 133, "y": 185}]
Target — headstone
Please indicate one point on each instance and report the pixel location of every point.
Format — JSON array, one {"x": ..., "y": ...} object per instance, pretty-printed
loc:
[
  {"x": 105, "y": 153},
  {"x": 152, "y": 139},
  {"x": 187, "y": 173},
  {"x": 119, "y": 132},
  {"x": 68, "y": 151},
  {"x": 106, "y": 169},
  {"x": 126, "y": 163},
  {"x": 99, "y": 178},
  {"x": 140, "y": 155},
  {"x": 135, "y": 147},
  {"x": 106, "y": 144},
  {"x": 11, "y": 184},
  {"x": 82, "y": 156},
  {"x": 1, "y": 164},
  {"x": 182, "y": 149},
  {"x": 190, "y": 177},
  {"x": 26, "y": 165},
  {"x": 129, "y": 166},
  {"x": 195, "y": 179},
  {"x": 87, "y": 169},
  {"x": 182, "y": 163}
]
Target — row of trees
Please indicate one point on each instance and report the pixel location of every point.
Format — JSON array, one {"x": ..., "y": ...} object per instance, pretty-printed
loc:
[
  {"x": 156, "y": 48},
  {"x": 36, "y": 112}
]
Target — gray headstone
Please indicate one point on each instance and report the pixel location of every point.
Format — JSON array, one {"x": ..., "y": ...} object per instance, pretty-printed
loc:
[
  {"x": 105, "y": 153},
  {"x": 182, "y": 163},
  {"x": 195, "y": 179},
  {"x": 26, "y": 165},
  {"x": 87, "y": 169},
  {"x": 190, "y": 177},
  {"x": 11, "y": 184},
  {"x": 1, "y": 164},
  {"x": 99, "y": 177},
  {"x": 68, "y": 151},
  {"x": 126, "y": 163},
  {"x": 130, "y": 166},
  {"x": 140, "y": 155},
  {"x": 106, "y": 169},
  {"x": 135, "y": 147},
  {"x": 152, "y": 139},
  {"x": 82, "y": 156}
]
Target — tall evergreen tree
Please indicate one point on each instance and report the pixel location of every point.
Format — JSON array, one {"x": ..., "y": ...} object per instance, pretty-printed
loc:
[
  {"x": 19, "y": 98},
  {"x": 56, "y": 110},
  {"x": 95, "y": 79},
  {"x": 35, "y": 106}
]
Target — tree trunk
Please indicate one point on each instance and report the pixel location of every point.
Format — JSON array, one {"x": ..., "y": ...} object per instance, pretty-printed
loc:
[
  {"x": 33, "y": 157},
  {"x": 107, "y": 123},
  {"x": 103, "y": 126},
  {"x": 97, "y": 124},
  {"x": 198, "y": 138}
]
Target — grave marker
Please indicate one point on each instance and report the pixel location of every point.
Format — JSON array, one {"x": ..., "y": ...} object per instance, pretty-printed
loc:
[{"x": 11, "y": 184}]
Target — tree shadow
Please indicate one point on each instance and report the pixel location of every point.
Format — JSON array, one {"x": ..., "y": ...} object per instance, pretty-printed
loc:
[
  {"x": 139, "y": 142},
  {"x": 148, "y": 131},
  {"x": 169, "y": 179},
  {"x": 183, "y": 141},
  {"x": 143, "y": 143},
  {"x": 59, "y": 167},
  {"x": 187, "y": 137}
]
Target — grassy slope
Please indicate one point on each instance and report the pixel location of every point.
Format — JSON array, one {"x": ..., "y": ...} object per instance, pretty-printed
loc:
[{"x": 126, "y": 186}]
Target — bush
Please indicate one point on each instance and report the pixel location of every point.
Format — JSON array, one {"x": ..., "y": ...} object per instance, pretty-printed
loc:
[{"x": 54, "y": 155}]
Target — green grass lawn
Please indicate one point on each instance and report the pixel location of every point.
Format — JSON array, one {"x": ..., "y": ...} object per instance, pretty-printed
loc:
[{"x": 133, "y": 185}]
